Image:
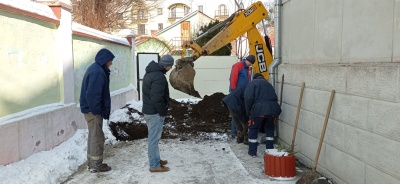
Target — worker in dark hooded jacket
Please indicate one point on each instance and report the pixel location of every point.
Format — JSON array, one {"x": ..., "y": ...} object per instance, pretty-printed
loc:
[
  {"x": 95, "y": 104},
  {"x": 155, "y": 106},
  {"x": 262, "y": 108},
  {"x": 234, "y": 101}
]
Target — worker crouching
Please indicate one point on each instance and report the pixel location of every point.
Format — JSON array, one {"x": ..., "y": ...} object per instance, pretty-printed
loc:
[
  {"x": 234, "y": 101},
  {"x": 261, "y": 104}
]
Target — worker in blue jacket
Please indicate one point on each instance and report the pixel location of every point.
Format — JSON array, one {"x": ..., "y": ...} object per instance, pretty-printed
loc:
[
  {"x": 234, "y": 101},
  {"x": 262, "y": 107},
  {"x": 95, "y": 104}
]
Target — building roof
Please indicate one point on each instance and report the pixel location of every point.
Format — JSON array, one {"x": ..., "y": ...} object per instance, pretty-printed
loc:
[{"x": 188, "y": 16}]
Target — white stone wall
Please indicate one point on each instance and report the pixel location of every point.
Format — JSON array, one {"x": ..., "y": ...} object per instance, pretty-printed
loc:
[{"x": 351, "y": 47}]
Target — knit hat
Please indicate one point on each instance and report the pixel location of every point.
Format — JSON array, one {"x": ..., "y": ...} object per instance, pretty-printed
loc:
[
  {"x": 251, "y": 59},
  {"x": 257, "y": 75},
  {"x": 166, "y": 60}
]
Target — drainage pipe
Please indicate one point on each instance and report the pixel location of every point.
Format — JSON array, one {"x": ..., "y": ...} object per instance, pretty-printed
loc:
[{"x": 273, "y": 68}]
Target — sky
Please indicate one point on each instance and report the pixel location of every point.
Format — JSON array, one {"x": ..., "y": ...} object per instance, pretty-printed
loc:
[{"x": 193, "y": 161}]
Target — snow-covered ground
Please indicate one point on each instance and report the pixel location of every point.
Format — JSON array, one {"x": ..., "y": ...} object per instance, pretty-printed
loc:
[{"x": 190, "y": 161}]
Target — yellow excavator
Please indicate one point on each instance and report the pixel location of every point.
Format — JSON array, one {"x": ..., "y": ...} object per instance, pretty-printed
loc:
[{"x": 238, "y": 24}]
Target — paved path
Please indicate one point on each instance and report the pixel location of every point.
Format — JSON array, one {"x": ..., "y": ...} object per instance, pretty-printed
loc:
[{"x": 190, "y": 162}]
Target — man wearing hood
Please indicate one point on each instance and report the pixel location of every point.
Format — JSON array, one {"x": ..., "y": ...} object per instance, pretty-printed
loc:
[
  {"x": 95, "y": 104},
  {"x": 155, "y": 106}
]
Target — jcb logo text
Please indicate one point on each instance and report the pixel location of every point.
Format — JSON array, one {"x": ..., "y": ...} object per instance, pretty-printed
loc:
[
  {"x": 261, "y": 58},
  {"x": 249, "y": 11}
]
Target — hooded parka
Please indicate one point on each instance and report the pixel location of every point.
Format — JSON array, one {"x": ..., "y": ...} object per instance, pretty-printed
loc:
[
  {"x": 155, "y": 90},
  {"x": 95, "y": 92}
]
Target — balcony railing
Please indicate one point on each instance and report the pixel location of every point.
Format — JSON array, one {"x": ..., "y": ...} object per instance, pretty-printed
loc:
[
  {"x": 176, "y": 15},
  {"x": 142, "y": 18},
  {"x": 220, "y": 13},
  {"x": 177, "y": 42}
]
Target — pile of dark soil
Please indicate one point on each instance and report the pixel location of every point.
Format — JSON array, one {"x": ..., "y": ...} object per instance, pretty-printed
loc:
[{"x": 184, "y": 120}]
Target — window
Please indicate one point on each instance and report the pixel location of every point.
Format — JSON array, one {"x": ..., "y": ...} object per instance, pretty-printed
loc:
[
  {"x": 200, "y": 8},
  {"x": 160, "y": 26},
  {"x": 222, "y": 10},
  {"x": 140, "y": 14},
  {"x": 173, "y": 13},
  {"x": 187, "y": 10},
  {"x": 159, "y": 11},
  {"x": 120, "y": 16},
  {"x": 141, "y": 29}
]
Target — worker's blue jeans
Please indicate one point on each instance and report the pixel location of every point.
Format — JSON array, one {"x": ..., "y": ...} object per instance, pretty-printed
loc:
[
  {"x": 155, "y": 125},
  {"x": 254, "y": 126}
]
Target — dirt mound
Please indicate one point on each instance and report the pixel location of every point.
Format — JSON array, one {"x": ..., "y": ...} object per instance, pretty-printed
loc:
[{"x": 183, "y": 121}]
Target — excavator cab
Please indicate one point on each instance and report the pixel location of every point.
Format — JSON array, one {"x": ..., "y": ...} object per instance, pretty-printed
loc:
[{"x": 239, "y": 23}]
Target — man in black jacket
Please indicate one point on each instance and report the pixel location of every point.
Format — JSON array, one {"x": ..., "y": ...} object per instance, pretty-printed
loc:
[
  {"x": 262, "y": 107},
  {"x": 155, "y": 106}
]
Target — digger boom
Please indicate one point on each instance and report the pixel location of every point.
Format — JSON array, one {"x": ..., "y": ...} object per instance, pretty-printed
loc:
[{"x": 240, "y": 23}]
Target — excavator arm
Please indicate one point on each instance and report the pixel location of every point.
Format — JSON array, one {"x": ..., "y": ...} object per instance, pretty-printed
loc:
[{"x": 240, "y": 23}]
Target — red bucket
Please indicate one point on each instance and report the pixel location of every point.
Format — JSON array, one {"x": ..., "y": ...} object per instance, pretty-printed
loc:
[{"x": 279, "y": 166}]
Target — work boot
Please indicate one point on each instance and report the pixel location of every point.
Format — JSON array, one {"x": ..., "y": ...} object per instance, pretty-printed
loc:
[
  {"x": 252, "y": 154},
  {"x": 239, "y": 138},
  {"x": 163, "y": 162},
  {"x": 245, "y": 138},
  {"x": 160, "y": 169},
  {"x": 100, "y": 168}
]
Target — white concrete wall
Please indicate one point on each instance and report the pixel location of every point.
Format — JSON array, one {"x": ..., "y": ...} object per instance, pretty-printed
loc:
[
  {"x": 352, "y": 47},
  {"x": 32, "y": 72},
  {"x": 85, "y": 50},
  {"x": 27, "y": 64},
  {"x": 212, "y": 76},
  {"x": 33, "y": 132}
]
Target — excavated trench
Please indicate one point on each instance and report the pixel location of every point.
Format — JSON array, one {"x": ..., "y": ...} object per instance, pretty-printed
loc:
[{"x": 184, "y": 120}]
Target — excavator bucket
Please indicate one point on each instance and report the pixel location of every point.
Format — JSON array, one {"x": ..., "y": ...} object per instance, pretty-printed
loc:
[{"x": 182, "y": 76}]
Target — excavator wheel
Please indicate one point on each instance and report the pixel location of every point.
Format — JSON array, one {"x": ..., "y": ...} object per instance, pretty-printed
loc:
[{"x": 182, "y": 76}]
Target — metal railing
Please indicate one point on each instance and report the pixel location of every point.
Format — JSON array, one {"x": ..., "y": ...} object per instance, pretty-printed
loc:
[
  {"x": 176, "y": 42},
  {"x": 140, "y": 18},
  {"x": 174, "y": 15},
  {"x": 222, "y": 12}
]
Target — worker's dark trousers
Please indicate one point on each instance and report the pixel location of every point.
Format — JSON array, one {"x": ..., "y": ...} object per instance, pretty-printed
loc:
[
  {"x": 269, "y": 127},
  {"x": 240, "y": 126},
  {"x": 95, "y": 140}
]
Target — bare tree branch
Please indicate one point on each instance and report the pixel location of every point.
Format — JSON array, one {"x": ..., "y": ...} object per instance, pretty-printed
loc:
[{"x": 109, "y": 15}]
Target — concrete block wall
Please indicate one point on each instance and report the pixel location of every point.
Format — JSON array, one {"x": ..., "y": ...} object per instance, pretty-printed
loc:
[
  {"x": 363, "y": 131},
  {"x": 342, "y": 46}
]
